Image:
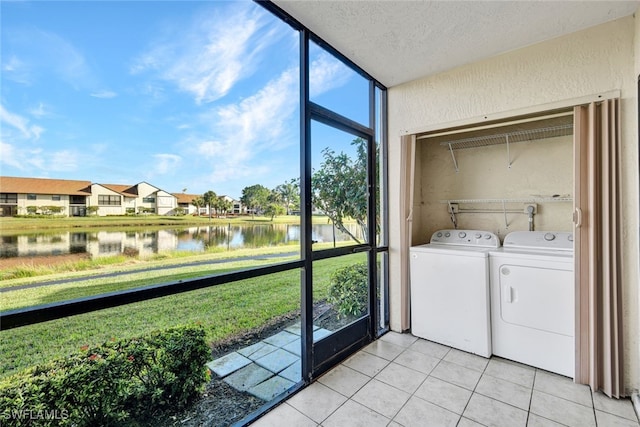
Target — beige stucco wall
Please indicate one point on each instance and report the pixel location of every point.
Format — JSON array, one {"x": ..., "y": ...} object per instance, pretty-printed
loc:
[
  {"x": 538, "y": 168},
  {"x": 593, "y": 61},
  {"x": 43, "y": 200}
]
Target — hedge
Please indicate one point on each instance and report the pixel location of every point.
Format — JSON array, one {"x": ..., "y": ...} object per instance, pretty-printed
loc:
[
  {"x": 349, "y": 290},
  {"x": 123, "y": 383}
]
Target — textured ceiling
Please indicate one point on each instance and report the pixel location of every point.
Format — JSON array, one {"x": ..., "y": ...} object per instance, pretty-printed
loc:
[{"x": 399, "y": 41}]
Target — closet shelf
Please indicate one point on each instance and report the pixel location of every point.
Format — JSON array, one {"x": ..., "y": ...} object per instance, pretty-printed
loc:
[
  {"x": 524, "y": 200},
  {"x": 509, "y": 137}
]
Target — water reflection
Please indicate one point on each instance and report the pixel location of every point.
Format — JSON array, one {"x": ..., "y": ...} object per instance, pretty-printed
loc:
[{"x": 147, "y": 242}]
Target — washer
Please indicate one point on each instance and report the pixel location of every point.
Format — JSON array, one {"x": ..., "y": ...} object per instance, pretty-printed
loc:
[
  {"x": 450, "y": 293},
  {"x": 532, "y": 300}
]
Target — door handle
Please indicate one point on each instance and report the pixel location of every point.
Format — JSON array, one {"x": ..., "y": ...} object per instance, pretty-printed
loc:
[
  {"x": 506, "y": 294},
  {"x": 577, "y": 217}
]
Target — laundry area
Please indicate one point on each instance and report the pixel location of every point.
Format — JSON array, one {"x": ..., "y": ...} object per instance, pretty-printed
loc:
[{"x": 491, "y": 258}]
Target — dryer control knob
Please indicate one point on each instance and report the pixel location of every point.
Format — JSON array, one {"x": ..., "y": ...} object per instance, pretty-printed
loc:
[
  {"x": 447, "y": 234},
  {"x": 487, "y": 236},
  {"x": 462, "y": 234},
  {"x": 549, "y": 237},
  {"x": 570, "y": 237},
  {"x": 478, "y": 235},
  {"x": 439, "y": 234}
]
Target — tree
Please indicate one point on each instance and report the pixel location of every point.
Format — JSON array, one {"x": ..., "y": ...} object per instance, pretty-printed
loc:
[
  {"x": 198, "y": 202},
  {"x": 255, "y": 197},
  {"x": 272, "y": 209},
  {"x": 209, "y": 198},
  {"x": 290, "y": 194},
  {"x": 224, "y": 205},
  {"x": 340, "y": 187}
]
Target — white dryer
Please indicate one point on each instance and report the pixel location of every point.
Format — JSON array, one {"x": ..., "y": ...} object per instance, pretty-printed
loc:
[
  {"x": 532, "y": 300},
  {"x": 450, "y": 289}
]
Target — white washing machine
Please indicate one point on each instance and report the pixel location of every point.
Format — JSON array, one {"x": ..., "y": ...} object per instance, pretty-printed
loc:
[
  {"x": 450, "y": 293},
  {"x": 532, "y": 300}
]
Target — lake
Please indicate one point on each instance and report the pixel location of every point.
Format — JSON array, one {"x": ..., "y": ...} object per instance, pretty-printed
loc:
[{"x": 110, "y": 241}]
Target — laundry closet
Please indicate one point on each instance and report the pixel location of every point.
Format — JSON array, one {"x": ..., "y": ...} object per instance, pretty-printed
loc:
[
  {"x": 509, "y": 182},
  {"x": 486, "y": 177}
]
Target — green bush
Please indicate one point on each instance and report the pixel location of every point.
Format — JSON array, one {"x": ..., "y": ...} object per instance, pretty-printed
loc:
[
  {"x": 123, "y": 383},
  {"x": 349, "y": 289}
]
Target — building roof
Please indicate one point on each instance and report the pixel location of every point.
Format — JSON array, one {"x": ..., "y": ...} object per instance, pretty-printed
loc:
[
  {"x": 9, "y": 184},
  {"x": 124, "y": 189},
  {"x": 185, "y": 198}
]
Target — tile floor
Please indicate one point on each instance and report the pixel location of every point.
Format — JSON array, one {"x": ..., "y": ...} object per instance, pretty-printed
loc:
[
  {"x": 400, "y": 380},
  {"x": 266, "y": 368}
]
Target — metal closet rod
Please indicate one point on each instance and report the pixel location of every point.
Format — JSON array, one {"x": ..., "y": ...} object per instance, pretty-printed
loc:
[
  {"x": 496, "y": 210},
  {"x": 558, "y": 198},
  {"x": 496, "y": 125}
]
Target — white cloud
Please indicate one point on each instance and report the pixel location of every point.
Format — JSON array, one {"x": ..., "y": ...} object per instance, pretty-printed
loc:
[
  {"x": 16, "y": 70},
  {"x": 20, "y": 123},
  {"x": 37, "y": 160},
  {"x": 45, "y": 55},
  {"x": 40, "y": 111},
  {"x": 327, "y": 73},
  {"x": 249, "y": 131},
  {"x": 166, "y": 163},
  {"x": 255, "y": 123},
  {"x": 62, "y": 161},
  {"x": 104, "y": 94},
  {"x": 216, "y": 52},
  {"x": 9, "y": 156}
]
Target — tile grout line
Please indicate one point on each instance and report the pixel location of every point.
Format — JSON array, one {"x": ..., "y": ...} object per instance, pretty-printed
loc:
[
  {"x": 474, "y": 392},
  {"x": 535, "y": 374},
  {"x": 593, "y": 406},
  {"x": 413, "y": 394}
]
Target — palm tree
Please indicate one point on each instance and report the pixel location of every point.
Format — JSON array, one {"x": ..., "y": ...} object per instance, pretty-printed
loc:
[
  {"x": 198, "y": 202},
  {"x": 209, "y": 198},
  {"x": 289, "y": 193}
]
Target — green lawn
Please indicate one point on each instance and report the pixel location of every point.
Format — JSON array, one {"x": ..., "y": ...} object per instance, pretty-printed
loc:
[{"x": 224, "y": 311}]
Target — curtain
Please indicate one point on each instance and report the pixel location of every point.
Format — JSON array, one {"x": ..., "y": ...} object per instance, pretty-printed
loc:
[
  {"x": 597, "y": 247},
  {"x": 407, "y": 166}
]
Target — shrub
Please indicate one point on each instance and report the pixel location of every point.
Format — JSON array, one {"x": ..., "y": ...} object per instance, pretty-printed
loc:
[
  {"x": 348, "y": 290},
  {"x": 130, "y": 252},
  {"x": 118, "y": 383}
]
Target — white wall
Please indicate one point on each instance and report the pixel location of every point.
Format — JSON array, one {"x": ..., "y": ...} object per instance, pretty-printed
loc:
[{"x": 587, "y": 63}]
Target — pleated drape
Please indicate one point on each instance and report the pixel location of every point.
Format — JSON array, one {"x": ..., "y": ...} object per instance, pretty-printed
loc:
[
  {"x": 407, "y": 167},
  {"x": 597, "y": 247}
]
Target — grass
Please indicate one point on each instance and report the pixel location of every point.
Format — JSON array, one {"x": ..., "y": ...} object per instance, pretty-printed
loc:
[
  {"x": 18, "y": 225},
  {"x": 55, "y": 293},
  {"x": 119, "y": 263},
  {"x": 224, "y": 311}
]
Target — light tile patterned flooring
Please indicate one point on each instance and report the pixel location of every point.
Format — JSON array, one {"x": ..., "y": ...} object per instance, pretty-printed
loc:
[{"x": 400, "y": 380}]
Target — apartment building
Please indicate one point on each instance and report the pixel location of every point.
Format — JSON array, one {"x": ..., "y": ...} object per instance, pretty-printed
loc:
[{"x": 21, "y": 196}]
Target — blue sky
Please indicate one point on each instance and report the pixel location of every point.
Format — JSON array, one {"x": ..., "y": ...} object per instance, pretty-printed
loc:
[{"x": 181, "y": 94}]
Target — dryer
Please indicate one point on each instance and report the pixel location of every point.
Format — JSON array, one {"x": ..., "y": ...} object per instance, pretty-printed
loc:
[
  {"x": 532, "y": 300},
  {"x": 450, "y": 289}
]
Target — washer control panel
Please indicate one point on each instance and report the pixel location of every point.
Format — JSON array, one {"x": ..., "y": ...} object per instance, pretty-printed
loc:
[
  {"x": 480, "y": 238},
  {"x": 544, "y": 240}
]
